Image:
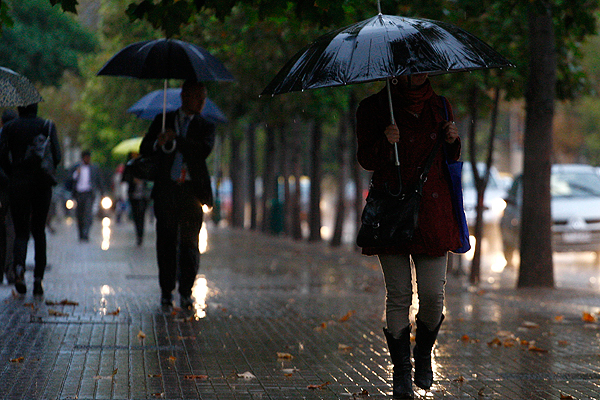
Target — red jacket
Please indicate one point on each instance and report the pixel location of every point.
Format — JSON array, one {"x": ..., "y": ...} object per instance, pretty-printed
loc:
[{"x": 438, "y": 230}]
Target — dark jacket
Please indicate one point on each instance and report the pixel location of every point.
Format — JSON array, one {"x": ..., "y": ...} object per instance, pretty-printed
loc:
[
  {"x": 16, "y": 136},
  {"x": 438, "y": 230},
  {"x": 195, "y": 148}
]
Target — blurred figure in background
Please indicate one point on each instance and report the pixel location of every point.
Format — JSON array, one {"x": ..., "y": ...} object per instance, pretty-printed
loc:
[
  {"x": 86, "y": 181},
  {"x": 7, "y": 232},
  {"x": 138, "y": 195}
]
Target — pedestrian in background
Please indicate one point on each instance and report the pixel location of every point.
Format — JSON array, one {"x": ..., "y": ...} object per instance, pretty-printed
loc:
[
  {"x": 30, "y": 193},
  {"x": 180, "y": 189},
  {"x": 138, "y": 197},
  {"x": 7, "y": 233},
  {"x": 420, "y": 121},
  {"x": 86, "y": 183}
]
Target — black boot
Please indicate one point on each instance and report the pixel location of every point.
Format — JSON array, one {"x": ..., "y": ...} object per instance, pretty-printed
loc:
[
  {"x": 400, "y": 353},
  {"x": 20, "y": 279},
  {"x": 422, "y": 354}
]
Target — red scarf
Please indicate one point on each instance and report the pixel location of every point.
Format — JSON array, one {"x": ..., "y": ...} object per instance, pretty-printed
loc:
[{"x": 413, "y": 99}]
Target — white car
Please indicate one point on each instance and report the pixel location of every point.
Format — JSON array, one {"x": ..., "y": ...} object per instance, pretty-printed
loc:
[
  {"x": 493, "y": 198},
  {"x": 575, "y": 204}
]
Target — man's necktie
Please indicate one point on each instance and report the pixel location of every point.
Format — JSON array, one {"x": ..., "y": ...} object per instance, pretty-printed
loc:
[{"x": 179, "y": 170}]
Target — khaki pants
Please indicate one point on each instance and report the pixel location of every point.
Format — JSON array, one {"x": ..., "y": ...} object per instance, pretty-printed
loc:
[{"x": 430, "y": 282}]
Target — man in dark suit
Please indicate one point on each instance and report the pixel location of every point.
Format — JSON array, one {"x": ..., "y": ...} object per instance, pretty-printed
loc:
[
  {"x": 86, "y": 182},
  {"x": 181, "y": 188}
]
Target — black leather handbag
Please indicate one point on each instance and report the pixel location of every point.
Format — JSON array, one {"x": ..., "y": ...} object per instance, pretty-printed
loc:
[
  {"x": 390, "y": 219},
  {"x": 144, "y": 167}
]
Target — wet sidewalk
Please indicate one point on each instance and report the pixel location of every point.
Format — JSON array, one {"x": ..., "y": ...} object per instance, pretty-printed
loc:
[{"x": 276, "y": 319}]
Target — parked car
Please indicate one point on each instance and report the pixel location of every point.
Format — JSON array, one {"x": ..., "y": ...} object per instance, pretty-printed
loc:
[
  {"x": 575, "y": 203},
  {"x": 493, "y": 198}
]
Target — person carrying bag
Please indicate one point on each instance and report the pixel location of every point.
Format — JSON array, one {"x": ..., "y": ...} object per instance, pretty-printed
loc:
[{"x": 422, "y": 128}]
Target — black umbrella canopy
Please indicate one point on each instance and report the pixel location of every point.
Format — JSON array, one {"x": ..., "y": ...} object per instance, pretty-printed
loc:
[
  {"x": 382, "y": 47},
  {"x": 166, "y": 59}
]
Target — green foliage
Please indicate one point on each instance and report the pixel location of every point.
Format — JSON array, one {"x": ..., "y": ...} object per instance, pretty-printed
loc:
[{"x": 43, "y": 42}]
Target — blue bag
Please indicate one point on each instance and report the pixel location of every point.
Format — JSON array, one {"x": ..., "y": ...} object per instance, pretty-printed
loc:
[{"x": 455, "y": 170}]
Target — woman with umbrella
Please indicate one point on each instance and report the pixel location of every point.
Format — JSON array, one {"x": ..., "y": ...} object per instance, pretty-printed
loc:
[{"x": 421, "y": 122}]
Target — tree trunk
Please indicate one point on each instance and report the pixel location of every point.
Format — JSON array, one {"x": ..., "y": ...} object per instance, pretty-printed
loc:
[
  {"x": 237, "y": 192},
  {"x": 295, "y": 209},
  {"x": 269, "y": 195},
  {"x": 481, "y": 182},
  {"x": 314, "y": 214},
  {"x": 343, "y": 160},
  {"x": 475, "y": 273},
  {"x": 536, "y": 268},
  {"x": 251, "y": 161}
]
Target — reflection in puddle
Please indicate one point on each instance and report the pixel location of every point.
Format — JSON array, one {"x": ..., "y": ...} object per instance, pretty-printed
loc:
[
  {"x": 105, "y": 233},
  {"x": 105, "y": 290},
  {"x": 199, "y": 293},
  {"x": 203, "y": 239}
]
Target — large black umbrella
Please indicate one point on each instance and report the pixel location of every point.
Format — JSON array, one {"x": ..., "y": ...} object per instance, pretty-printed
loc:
[
  {"x": 166, "y": 59},
  {"x": 16, "y": 90},
  {"x": 381, "y": 47},
  {"x": 384, "y": 47}
]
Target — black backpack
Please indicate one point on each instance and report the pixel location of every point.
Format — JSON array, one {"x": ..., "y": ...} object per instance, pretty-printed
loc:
[{"x": 39, "y": 155}]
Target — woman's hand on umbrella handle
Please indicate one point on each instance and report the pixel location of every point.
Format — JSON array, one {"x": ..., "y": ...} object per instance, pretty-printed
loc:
[
  {"x": 451, "y": 132},
  {"x": 392, "y": 134}
]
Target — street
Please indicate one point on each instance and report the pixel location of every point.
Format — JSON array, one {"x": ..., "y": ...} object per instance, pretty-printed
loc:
[{"x": 278, "y": 319}]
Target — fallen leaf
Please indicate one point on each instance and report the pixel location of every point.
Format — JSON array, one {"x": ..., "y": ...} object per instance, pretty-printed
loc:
[
  {"x": 64, "y": 302},
  {"x": 141, "y": 335},
  {"x": 285, "y": 356},
  {"x": 529, "y": 325},
  {"x": 194, "y": 377},
  {"x": 30, "y": 305},
  {"x": 566, "y": 397},
  {"x": 536, "y": 349},
  {"x": 158, "y": 394},
  {"x": 318, "y": 387},
  {"x": 362, "y": 393},
  {"x": 563, "y": 342},
  {"x": 17, "y": 360},
  {"x": 460, "y": 379},
  {"x": 172, "y": 358},
  {"x": 559, "y": 318},
  {"x": 344, "y": 347},
  {"x": 55, "y": 313},
  {"x": 321, "y": 327},
  {"x": 289, "y": 371},
  {"x": 154, "y": 375},
  {"x": 98, "y": 377},
  {"x": 495, "y": 342},
  {"x": 347, "y": 316},
  {"x": 116, "y": 312},
  {"x": 246, "y": 375},
  {"x": 587, "y": 317}
]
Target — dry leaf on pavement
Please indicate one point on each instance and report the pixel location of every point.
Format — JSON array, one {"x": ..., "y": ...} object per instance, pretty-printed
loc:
[
  {"x": 587, "y": 317},
  {"x": 17, "y": 360},
  {"x": 194, "y": 377},
  {"x": 284, "y": 356},
  {"x": 55, "y": 313},
  {"x": 347, "y": 316},
  {"x": 98, "y": 377},
  {"x": 318, "y": 387},
  {"x": 246, "y": 375}
]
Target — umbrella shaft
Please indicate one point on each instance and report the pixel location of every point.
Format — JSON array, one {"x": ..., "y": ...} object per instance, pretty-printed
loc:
[{"x": 389, "y": 90}]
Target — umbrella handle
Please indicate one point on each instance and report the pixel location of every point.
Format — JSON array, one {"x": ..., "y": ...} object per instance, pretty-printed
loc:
[{"x": 389, "y": 90}]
